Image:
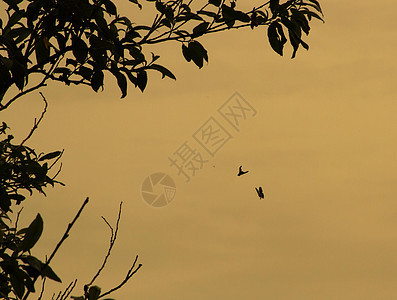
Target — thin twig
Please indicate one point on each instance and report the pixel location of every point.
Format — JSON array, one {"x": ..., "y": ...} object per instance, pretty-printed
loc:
[
  {"x": 64, "y": 237},
  {"x": 57, "y": 173},
  {"x": 130, "y": 273},
  {"x": 210, "y": 29},
  {"x": 156, "y": 22},
  {"x": 42, "y": 289},
  {"x": 41, "y": 84},
  {"x": 68, "y": 290},
  {"x": 113, "y": 237},
  {"x": 58, "y": 158},
  {"x": 17, "y": 219},
  {"x": 36, "y": 123},
  {"x": 56, "y": 297}
]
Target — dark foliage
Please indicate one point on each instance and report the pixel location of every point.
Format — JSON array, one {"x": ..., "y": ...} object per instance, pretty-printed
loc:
[
  {"x": 79, "y": 41},
  {"x": 21, "y": 171}
]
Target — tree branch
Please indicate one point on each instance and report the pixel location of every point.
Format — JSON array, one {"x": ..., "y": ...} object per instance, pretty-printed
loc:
[
  {"x": 42, "y": 289},
  {"x": 217, "y": 28},
  {"x": 66, "y": 234},
  {"x": 36, "y": 124},
  {"x": 113, "y": 237},
  {"x": 64, "y": 237},
  {"x": 41, "y": 84},
  {"x": 131, "y": 272},
  {"x": 68, "y": 290}
]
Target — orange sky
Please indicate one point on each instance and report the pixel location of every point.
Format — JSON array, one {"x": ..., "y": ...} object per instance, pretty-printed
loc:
[{"x": 322, "y": 145}]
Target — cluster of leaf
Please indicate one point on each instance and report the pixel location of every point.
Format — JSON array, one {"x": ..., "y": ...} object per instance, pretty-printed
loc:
[
  {"x": 20, "y": 169},
  {"x": 77, "y": 41},
  {"x": 72, "y": 41},
  {"x": 295, "y": 17},
  {"x": 18, "y": 268}
]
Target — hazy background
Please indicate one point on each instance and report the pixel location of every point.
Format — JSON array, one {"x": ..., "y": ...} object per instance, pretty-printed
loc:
[{"x": 322, "y": 145}]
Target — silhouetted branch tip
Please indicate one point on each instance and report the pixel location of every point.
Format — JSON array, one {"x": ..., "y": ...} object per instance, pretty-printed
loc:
[
  {"x": 113, "y": 237},
  {"x": 68, "y": 290},
  {"x": 131, "y": 272},
  {"x": 36, "y": 123},
  {"x": 64, "y": 237}
]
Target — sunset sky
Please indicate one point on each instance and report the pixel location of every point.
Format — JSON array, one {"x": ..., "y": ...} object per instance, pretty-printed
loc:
[{"x": 320, "y": 139}]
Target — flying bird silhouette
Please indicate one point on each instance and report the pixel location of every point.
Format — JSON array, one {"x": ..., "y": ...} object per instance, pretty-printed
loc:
[
  {"x": 260, "y": 193},
  {"x": 241, "y": 172}
]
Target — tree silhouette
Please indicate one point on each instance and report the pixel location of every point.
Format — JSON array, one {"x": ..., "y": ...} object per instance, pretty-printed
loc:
[{"x": 79, "y": 42}]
